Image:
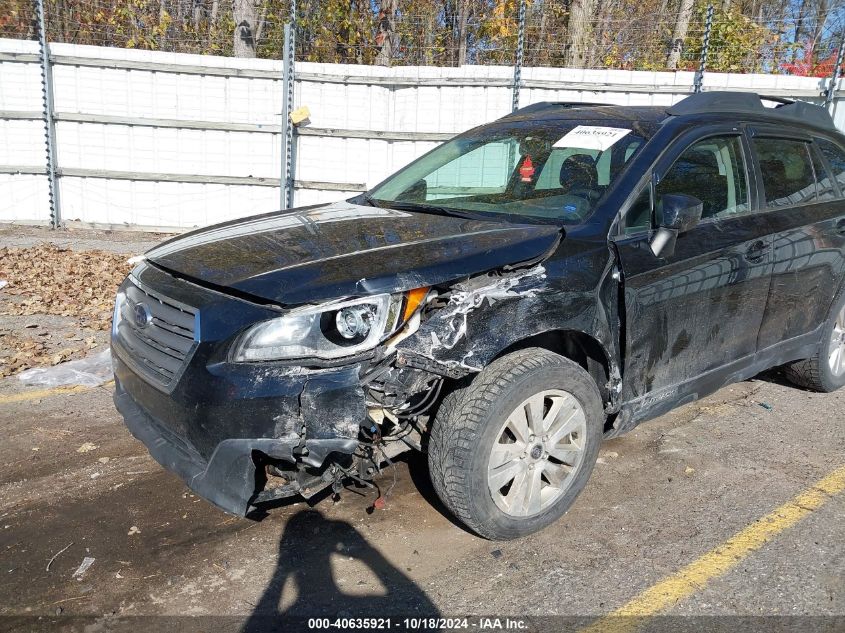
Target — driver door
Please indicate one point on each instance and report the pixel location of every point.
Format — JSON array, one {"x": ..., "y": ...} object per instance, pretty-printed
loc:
[{"x": 698, "y": 308}]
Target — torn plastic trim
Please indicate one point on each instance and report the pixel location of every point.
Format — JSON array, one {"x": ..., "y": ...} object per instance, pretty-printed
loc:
[{"x": 444, "y": 329}]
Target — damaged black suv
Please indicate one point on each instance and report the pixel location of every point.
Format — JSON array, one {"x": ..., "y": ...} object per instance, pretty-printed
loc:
[{"x": 503, "y": 303}]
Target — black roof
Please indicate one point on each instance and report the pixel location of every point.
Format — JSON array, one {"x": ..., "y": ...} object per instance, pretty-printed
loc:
[{"x": 715, "y": 102}]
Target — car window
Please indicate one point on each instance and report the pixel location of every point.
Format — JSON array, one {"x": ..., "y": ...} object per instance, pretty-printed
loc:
[
  {"x": 712, "y": 170},
  {"x": 638, "y": 216},
  {"x": 835, "y": 158},
  {"x": 555, "y": 169},
  {"x": 484, "y": 170},
  {"x": 786, "y": 166},
  {"x": 824, "y": 183},
  {"x": 550, "y": 176}
]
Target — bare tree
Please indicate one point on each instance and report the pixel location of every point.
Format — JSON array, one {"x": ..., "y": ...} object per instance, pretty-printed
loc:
[
  {"x": 679, "y": 34},
  {"x": 579, "y": 33},
  {"x": 243, "y": 13},
  {"x": 386, "y": 32}
]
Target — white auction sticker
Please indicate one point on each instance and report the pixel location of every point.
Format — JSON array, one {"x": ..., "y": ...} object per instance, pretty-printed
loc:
[{"x": 591, "y": 137}]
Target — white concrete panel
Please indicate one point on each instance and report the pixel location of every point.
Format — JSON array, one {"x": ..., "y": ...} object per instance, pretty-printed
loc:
[
  {"x": 24, "y": 198},
  {"x": 22, "y": 143},
  {"x": 158, "y": 92},
  {"x": 124, "y": 202}
]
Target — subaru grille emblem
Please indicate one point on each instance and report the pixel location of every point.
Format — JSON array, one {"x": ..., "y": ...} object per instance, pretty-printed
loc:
[{"x": 143, "y": 316}]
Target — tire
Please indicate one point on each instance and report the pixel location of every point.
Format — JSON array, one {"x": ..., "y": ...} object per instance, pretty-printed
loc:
[
  {"x": 825, "y": 371},
  {"x": 484, "y": 416}
]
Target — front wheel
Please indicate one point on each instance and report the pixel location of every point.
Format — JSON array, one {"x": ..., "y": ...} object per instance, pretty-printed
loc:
[{"x": 510, "y": 452}]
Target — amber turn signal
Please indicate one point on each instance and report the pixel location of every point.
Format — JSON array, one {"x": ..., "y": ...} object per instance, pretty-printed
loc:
[{"x": 412, "y": 301}]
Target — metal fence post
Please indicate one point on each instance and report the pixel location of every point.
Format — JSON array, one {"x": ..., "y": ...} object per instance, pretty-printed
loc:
[
  {"x": 288, "y": 138},
  {"x": 831, "y": 89},
  {"x": 49, "y": 118},
  {"x": 520, "y": 56},
  {"x": 705, "y": 48}
]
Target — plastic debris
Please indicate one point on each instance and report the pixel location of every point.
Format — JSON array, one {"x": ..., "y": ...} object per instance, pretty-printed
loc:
[
  {"x": 133, "y": 530},
  {"x": 56, "y": 555},
  {"x": 83, "y": 567},
  {"x": 766, "y": 406},
  {"x": 87, "y": 448},
  {"x": 3, "y": 283},
  {"x": 91, "y": 371},
  {"x": 689, "y": 470}
]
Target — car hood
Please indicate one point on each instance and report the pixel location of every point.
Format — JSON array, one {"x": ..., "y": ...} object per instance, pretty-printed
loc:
[{"x": 343, "y": 249}]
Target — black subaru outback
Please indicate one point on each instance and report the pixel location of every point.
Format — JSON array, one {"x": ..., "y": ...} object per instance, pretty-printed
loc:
[{"x": 502, "y": 304}]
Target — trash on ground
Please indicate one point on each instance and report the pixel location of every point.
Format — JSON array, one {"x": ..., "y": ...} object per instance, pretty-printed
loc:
[
  {"x": 3, "y": 283},
  {"x": 133, "y": 530},
  {"x": 56, "y": 555},
  {"x": 689, "y": 470},
  {"x": 87, "y": 448},
  {"x": 766, "y": 406},
  {"x": 91, "y": 371},
  {"x": 83, "y": 567}
]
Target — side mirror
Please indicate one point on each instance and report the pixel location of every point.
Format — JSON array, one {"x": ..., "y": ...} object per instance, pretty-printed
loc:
[{"x": 680, "y": 213}]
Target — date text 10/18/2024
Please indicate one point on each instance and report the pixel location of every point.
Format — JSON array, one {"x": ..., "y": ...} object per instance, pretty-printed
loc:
[{"x": 418, "y": 624}]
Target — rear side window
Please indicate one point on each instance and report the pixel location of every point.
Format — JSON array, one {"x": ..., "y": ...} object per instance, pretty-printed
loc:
[
  {"x": 835, "y": 158},
  {"x": 824, "y": 183},
  {"x": 787, "y": 169}
]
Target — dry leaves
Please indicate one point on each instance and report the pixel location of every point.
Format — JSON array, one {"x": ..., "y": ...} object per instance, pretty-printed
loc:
[{"x": 48, "y": 279}]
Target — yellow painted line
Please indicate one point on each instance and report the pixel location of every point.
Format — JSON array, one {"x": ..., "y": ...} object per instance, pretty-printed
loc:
[
  {"x": 40, "y": 394},
  {"x": 721, "y": 559}
]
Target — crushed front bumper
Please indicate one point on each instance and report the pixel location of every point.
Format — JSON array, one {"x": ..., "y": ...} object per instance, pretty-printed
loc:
[{"x": 205, "y": 445}]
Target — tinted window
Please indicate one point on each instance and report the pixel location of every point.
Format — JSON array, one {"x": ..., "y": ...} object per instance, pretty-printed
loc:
[
  {"x": 712, "y": 170},
  {"x": 824, "y": 183},
  {"x": 787, "y": 171},
  {"x": 835, "y": 158},
  {"x": 554, "y": 169},
  {"x": 638, "y": 217}
]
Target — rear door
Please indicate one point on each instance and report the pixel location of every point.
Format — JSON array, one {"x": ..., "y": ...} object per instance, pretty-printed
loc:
[
  {"x": 701, "y": 307},
  {"x": 803, "y": 205}
]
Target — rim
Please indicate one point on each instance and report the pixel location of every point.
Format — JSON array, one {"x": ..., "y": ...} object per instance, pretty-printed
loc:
[
  {"x": 537, "y": 452},
  {"x": 836, "y": 354}
]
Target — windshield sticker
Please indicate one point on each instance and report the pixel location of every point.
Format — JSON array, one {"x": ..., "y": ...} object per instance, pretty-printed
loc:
[
  {"x": 591, "y": 137},
  {"x": 526, "y": 171}
]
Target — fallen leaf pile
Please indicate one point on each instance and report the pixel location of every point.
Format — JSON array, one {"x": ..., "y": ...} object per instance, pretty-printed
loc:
[{"x": 48, "y": 279}]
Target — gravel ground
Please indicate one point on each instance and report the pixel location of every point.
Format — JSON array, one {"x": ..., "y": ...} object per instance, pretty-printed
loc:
[{"x": 76, "y": 484}]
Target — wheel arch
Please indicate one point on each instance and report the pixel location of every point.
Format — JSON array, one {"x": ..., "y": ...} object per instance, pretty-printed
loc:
[{"x": 575, "y": 345}]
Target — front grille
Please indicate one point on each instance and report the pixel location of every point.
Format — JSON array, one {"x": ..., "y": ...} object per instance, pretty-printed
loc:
[{"x": 158, "y": 334}]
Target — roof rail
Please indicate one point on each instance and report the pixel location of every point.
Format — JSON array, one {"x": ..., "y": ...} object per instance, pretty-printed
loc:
[
  {"x": 752, "y": 103},
  {"x": 542, "y": 106}
]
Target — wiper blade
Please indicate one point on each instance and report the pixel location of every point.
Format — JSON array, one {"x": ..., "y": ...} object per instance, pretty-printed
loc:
[{"x": 433, "y": 208}]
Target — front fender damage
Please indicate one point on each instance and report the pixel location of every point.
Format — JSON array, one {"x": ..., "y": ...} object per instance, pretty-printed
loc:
[{"x": 355, "y": 420}]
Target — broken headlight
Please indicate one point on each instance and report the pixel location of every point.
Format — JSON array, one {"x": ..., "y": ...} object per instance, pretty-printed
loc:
[{"x": 327, "y": 331}]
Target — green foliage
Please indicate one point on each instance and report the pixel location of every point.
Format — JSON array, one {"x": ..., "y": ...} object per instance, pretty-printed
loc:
[{"x": 737, "y": 43}]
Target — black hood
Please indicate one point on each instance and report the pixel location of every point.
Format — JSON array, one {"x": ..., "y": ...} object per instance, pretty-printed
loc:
[{"x": 343, "y": 249}]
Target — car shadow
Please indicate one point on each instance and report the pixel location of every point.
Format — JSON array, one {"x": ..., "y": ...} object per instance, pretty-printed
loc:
[
  {"x": 776, "y": 376},
  {"x": 316, "y": 555}
]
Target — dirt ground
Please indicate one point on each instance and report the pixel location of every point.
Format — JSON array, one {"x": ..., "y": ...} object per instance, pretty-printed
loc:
[{"x": 75, "y": 484}]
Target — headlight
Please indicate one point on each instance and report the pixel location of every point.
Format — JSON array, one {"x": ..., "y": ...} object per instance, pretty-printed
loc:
[
  {"x": 117, "y": 315},
  {"x": 327, "y": 331}
]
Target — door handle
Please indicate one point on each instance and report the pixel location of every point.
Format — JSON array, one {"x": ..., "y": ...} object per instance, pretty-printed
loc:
[{"x": 756, "y": 251}]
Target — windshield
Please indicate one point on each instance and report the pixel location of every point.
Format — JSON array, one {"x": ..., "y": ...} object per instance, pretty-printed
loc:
[{"x": 556, "y": 169}]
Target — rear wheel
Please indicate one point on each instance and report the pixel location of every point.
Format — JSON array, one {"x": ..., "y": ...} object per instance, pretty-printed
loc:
[
  {"x": 510, "y": 452},
  {"x": 825, "y": 371}
]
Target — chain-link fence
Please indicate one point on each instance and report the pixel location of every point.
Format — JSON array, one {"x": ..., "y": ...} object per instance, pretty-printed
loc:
[{"x": 769, "y": 36}]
